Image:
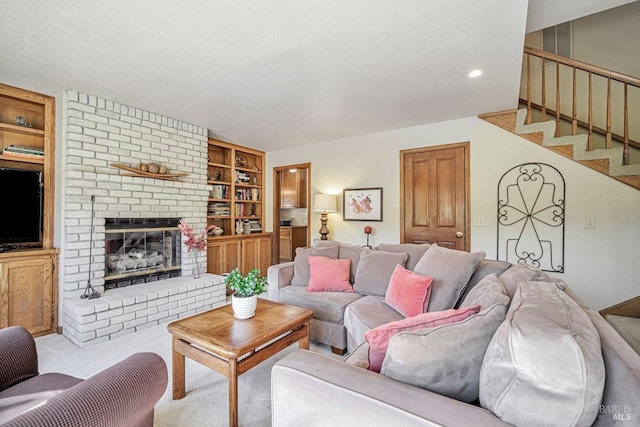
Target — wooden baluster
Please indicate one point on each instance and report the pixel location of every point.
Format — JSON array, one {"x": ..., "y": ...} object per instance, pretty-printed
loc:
[
  {"x": 528, "y": 89},
  {"x": 608, "y": 138},
  {"x": 557, "y": 99},
  {"x": 625, "y": 152},
  {"x": 590, "y": 139},
  {"x": 574, "y": 124},
  {"x": 544, "y": 94}
]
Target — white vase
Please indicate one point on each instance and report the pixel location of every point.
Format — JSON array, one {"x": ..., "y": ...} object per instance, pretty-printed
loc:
[{"x": 244, "y": 307}]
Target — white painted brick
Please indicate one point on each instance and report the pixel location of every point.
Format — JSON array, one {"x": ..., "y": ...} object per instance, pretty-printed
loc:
[
  {"x": 122, "y": 333},
  {"x": 146, "y": 312},
  {"x": 135, "y": 322},
  {"x": 124, "y": 318},
  {"x": 177, "y": 310},
  {"x": 108, "y": 330},
  {"x": 110, "y": 313},
  {"x": 135, "y": 307}
]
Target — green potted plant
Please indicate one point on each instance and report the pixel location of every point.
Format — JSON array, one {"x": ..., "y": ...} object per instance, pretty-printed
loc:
[{"x": 246, "y": 290}]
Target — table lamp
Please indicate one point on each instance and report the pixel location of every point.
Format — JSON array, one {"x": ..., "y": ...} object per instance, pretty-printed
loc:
[{"x": 324, "y": 203}]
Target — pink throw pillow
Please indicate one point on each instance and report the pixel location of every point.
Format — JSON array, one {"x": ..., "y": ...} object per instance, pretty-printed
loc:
[
  {"x": 329, "y": 275},
  {"x": 378, "y": 338},
  {"x": 408, "y": 292}
]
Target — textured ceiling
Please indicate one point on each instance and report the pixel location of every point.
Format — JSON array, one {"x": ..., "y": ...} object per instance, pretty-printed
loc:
[{"x": 272, "y": 75}]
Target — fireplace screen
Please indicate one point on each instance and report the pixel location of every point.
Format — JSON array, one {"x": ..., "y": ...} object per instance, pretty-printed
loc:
[{"x": 140, "y": 251}]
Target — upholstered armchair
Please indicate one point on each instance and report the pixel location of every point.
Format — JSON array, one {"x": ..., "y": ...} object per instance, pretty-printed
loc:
[{"x": 122, "y": 395}]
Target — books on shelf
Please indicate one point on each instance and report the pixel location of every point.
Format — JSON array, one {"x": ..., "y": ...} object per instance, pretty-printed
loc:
[
  {"x": 26, "y": 152},
  {"x": 219, "y": 191},
  {"x": 219, "y": 209},
  {"x": 252, "y": 194},
  {"x": 252, "y": 225}
]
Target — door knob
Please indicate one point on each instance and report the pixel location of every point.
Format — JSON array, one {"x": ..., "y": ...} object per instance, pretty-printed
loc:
[{"x": 459, "y": 234}]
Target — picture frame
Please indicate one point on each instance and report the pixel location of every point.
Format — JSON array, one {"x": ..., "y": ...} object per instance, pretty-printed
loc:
[{"x": 362, "y": 204}]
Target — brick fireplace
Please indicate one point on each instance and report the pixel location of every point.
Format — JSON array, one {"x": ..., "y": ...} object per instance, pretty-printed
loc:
[{"x": 97, "y": 133}]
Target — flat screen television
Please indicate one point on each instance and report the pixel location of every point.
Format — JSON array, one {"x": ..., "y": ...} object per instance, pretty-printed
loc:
[{"x": 20, "y": 209}]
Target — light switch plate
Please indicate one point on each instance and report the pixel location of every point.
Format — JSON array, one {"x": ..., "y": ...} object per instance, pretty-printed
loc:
[
  {"x": 478, "y": 221},
  {"x": 589, "y": 223}
]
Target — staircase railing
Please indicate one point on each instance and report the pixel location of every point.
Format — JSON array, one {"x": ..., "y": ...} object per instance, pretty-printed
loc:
[{"x": 561, "y": 65}]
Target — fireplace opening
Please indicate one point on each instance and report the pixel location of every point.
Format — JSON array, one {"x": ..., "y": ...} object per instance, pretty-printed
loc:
[{"x": 141, "y": 250}]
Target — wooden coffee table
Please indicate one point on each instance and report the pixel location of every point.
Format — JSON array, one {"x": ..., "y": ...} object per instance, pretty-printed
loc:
[{"x": 231, "y": 346}]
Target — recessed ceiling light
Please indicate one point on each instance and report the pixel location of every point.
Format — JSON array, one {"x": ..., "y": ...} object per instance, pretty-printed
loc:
[
  {"x": 293, "y": 170},
  {"x": 475, "y": 73}
]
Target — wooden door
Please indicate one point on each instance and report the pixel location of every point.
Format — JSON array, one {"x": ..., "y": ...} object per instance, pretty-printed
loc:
[
  {"x": 285, "y": 244},
  {"x": 435, "y": 195},
  {"x": 26, "y": 295}
]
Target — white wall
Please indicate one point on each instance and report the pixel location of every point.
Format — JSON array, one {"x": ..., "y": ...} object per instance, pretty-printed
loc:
[
  {"x": 368, "y": 161},
  {"x": 599, "y": 263}
]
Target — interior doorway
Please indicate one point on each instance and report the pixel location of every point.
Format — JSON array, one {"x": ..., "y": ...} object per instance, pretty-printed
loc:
[
  {"x": 435, "y": 196},
  {"x": 291, "y": 210}
]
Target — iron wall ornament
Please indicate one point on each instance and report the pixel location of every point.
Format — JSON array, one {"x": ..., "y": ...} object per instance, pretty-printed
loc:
[{"x": 531, "y": 216}]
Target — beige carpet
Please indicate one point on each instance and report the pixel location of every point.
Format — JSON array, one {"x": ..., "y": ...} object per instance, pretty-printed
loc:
[{"x": 206, "y": 402}]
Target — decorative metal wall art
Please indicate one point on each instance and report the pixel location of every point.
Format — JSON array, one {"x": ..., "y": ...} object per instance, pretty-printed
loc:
[{"x": 531, "y": 216}]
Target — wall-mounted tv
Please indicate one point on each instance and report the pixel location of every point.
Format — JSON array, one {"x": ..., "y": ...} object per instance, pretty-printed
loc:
[{"x": 20, "y": 208}]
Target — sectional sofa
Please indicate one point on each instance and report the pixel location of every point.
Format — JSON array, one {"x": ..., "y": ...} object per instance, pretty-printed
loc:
[{"x": 529, "y": 353}]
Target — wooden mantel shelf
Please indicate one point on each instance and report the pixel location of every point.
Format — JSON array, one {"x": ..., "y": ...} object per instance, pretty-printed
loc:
[{"x": 145, "y": 174}]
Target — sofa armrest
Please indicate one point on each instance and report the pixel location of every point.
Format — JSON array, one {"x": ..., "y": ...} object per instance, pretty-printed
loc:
[
  {"x": 123, "y": 395},
  {"x": 311, "y": 389},
  {"x": 279, "y": 276},
  {"x": 18, "y": 356}
]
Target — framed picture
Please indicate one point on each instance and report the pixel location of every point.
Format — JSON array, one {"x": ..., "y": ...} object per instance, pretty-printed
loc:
[{"x": 362, "y": 204}]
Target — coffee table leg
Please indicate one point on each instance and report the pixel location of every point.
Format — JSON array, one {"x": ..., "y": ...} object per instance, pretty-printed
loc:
[
  {"x": 178, "y": 372},
  {"x": 304, "y": 342},
  {"x": 233, "y": 392}
]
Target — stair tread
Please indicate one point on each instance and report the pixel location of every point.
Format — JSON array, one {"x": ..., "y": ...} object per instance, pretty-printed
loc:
[{"x": 604, "y": 160}]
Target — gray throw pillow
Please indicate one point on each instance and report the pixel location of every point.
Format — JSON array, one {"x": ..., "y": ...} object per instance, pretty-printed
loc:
[
  {"x": 375, "y": 269},
  {"x": 414, "y": 251},
  {"x": 527, "y": 273},
  {"x": 447, "y": 359},
  {"x": 544, "y": 365},
  {"x": 451, "y": 271},
  {"x": 301, "y": 271}
]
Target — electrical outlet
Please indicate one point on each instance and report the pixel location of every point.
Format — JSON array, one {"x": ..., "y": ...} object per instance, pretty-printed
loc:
[
  {"x": 478, "y": 221},
  {"x": 589, "y": 223}
]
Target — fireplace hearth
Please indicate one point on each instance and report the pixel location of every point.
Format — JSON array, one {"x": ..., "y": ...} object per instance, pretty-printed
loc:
[{"x": 141, "y": 250}]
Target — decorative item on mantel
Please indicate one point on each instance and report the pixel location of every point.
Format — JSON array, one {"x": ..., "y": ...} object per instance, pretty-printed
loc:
[
  {"x": 149, "y": 170},
  {"x": 194, "y": 245},
  {"x": 246, "y": 290}
]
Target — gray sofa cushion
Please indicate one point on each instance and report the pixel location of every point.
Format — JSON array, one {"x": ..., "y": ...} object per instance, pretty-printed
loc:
[
  {"x": 414, "y": 251},
  {"x": 327, "y": 306},
  {"x": 544, "y": 364},
  {"x": 447, "y": 359},
  {"x": 374, "y": 271},
  {"x": 526, "y": 273},
  {"x": 485, "y": 268},
  {"x": 301, "y": 262},
  {"x": 451, "y": 271},
  {"x": 364, "y": 314}
]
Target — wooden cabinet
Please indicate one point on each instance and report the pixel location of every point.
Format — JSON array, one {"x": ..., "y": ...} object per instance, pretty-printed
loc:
[
  {"x": 290, "y": 239},
  {"x": 293, "y": 188},
  {"x": 29, "y": 290},
  {"x": 236, "y": 175},
  {"x": 244, "y": 252},
  {"x": 28, "y": 280}
]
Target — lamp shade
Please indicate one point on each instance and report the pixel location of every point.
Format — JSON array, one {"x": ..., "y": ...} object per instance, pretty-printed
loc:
[{"x": 325, "y": 203}]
